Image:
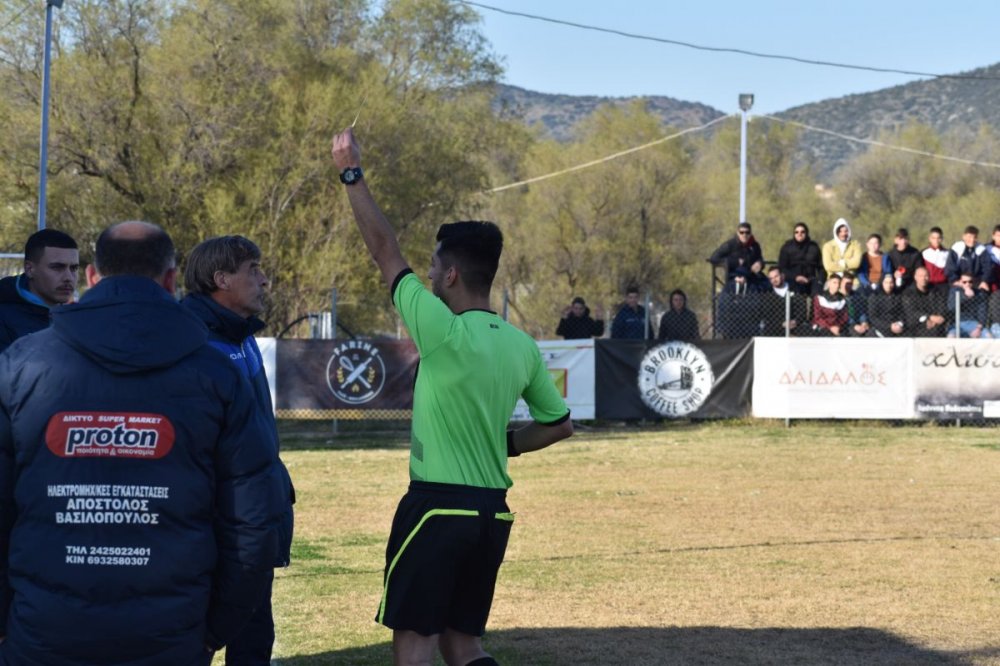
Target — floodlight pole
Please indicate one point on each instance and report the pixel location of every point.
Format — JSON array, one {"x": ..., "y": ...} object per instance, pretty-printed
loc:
[
  {"x": 746, "y": 103},
  {"x": 43, "y": 157}
]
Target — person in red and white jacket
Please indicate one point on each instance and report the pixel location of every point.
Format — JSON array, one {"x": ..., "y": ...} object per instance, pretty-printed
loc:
[{"x": 935, "y": 259}]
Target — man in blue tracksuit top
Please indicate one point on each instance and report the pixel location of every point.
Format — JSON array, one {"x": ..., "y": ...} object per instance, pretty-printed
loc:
[
  {"x": 139, "y": 493},
  {"x": 227, "y": 290}
]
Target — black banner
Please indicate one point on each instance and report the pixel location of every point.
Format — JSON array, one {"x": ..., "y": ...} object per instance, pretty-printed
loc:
[
  {"x": 639, "y": 379},
  {"x": 345, "y": 374}
]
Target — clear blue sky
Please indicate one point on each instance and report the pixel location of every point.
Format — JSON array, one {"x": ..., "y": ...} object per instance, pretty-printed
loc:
[{"x": 936, "y": 36}]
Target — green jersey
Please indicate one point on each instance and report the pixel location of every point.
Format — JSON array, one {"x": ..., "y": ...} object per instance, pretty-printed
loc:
[{"x": 473, "y": 368}]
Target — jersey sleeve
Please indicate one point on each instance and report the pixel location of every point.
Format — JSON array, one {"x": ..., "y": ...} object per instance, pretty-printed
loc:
[
  {"x": 426, "y": 316},
  {"x": 545, "y": 404}
]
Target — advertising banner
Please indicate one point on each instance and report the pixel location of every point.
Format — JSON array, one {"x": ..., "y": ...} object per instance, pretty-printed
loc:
[
  {"x": 956, "y": 379},
  {"x": 638, "y": 379},
  {"x": 345, "y": 374},
  {"x": 571, "y": 366},
  {"x": 833, "y": 378}
]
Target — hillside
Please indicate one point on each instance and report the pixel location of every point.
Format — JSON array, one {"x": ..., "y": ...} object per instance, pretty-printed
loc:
[
  {"x": 944, "y": 104},
  {"x": 557, "y": 114}
]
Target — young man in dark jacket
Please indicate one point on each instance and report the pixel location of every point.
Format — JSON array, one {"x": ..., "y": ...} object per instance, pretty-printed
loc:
[
  {"x": 801, "y": 261},
  {"x": 742, "y": 252},
  {"x": 577, "y": 324},
  {"x": 227, "y": 289},
  {"x": 51, "y": 262},
  {"x": 138, "y": 496}
]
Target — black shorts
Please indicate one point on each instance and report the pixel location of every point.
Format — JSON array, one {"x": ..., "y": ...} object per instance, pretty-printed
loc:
[{"x": 441, "y": 564}]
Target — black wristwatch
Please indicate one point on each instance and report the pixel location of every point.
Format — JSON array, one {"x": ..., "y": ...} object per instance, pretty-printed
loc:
[{"x": 351, "y": 175}]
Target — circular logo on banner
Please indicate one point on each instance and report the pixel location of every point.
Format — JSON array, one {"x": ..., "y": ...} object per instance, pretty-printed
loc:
[
  {"x": 355, "y": 372},
  {"x": 675, "y": 379}
]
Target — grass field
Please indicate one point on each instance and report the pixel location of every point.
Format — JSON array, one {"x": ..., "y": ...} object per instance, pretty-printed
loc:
[{"x": 730, "y": 543}]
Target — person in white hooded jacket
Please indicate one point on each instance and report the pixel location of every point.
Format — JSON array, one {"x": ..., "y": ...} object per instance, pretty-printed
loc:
[{"x": 842, "y": 254}]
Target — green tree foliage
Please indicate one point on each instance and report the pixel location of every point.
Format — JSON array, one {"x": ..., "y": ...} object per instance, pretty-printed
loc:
[{"x": 213, "y": 117}]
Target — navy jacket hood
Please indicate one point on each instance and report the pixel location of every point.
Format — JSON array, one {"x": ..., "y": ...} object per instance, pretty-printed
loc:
[{"x": 154, "y": 331}]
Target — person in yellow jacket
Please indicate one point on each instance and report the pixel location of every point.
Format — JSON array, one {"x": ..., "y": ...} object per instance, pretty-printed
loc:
[{"x": 842, "y": 254}]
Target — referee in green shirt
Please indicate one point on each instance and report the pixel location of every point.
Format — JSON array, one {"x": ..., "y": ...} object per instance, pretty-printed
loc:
[{"x": 450, "y": 530}]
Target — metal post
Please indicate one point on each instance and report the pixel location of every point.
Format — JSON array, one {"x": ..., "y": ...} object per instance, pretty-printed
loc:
[
  {"x": 506, "y": 305},
  {"x": 333, "y": 336},
  {"x": 746, "y": 103},
  {"x": 43, "y": 151},
  {"x": 333, "y": 313},
  {"x": 788, "y": 329},
  {"x": 958, "y": 332},
  {"x": 645, "y": 330}
]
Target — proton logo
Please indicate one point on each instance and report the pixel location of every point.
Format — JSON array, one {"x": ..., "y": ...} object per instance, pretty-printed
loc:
[
  {"x": 355, "y": 372},
  {"x": 675, "y": 379}
]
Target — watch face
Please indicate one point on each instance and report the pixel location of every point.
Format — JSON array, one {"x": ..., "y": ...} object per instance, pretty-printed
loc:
[{"x": 349, "y": 176}]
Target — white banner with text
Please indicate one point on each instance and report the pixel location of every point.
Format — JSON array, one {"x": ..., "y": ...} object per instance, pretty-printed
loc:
[
  {"x": 833, "y": 378},
  {"x": 571, "y": 366}
]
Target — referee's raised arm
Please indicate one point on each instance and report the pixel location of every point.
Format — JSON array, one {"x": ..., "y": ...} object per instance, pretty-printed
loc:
[{"x": 375, "y": 229}]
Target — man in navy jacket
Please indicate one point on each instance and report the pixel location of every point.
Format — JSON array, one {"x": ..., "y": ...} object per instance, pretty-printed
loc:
[
  {"x": 227, "y": 291},
  {"x": 139, "y": 499},
  {"x": 51, "y": 262}
]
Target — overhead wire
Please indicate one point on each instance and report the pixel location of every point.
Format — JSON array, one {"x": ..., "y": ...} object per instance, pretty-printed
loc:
[
  {"x": 721, "y": 49},
  {"x": 608, "y": 158},
  {"x": 17, "y": 17},
  {"x": 881, "y": 144}
]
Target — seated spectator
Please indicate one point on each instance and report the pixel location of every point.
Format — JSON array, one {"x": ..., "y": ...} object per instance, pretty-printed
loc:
[
  {"x": 885, "y": 310},
  {"x": 874, "y": 264},
  {"x": 739, "y": 307},
  {"x": 842, "y": 254},
  {"x": 679, "y": 323},
  {"x": 968, "y": 256},
  {"x": 935, "y": 257},
  {"x": 972, "y": 307},
  {"x": 801, "y": 262},
  {"x": 924, "y": 311},
  {"x": 772, "y": 305},
  {"x": 630, "y": 321},
  {"x": 576, "y": 323},
  {"x": 740, "y": 252},
  {"x": 994, "y": 249},
  {"x": 830, "y": 309},
  {"x": 904, "y": 258},
  {"x": 857, "y": 309}
]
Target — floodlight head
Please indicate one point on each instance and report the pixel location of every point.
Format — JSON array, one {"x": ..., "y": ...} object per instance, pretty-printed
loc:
[
  {"x": 746, "y": 101},
  {"x": 55, "y": 3}
]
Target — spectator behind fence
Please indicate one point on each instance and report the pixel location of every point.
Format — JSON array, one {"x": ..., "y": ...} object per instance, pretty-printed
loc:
[
  {"x": 678, "y": 323},
  {"x": 924, "y": 311},
  {"x": 874, "y": 264},
  {"x": 972, "y": 306},
  {"x": 51, "y": 262},
  {"x": 801, "y": 261},
  {"x": 905, "y": 258},
  {"x": 994, "y": 248},
  {"x": 830, "y": 309},
  {"x": 935, "y": 257},
  {"x": 968, "y": 256},
  {"x": 842, "y": 254},
  {"x": 740, "y": 252},
  {"x": 576, "y": 323},
  {"x": 885, "y": 310},
  {"x": 739, "y": 306},
  {"x": 772, "y": 305},
  {"x": 630, "y": 320},
  {"x": 857, "y": 309}
]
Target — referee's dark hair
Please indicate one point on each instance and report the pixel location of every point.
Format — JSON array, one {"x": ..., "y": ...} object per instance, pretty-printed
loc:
[
  {"x": 35, "y": 246},
  {"x": 474, "y": 247},
  {"x": 134, "y": 248},
  {"x": 223, "y": 253}
]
